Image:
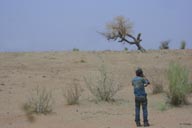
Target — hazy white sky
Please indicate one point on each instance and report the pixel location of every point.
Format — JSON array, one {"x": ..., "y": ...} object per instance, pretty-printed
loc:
[{"x": 43, "y": 25}]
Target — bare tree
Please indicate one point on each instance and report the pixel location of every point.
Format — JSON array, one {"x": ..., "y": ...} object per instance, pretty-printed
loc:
[{"x": 121, "y": 29}]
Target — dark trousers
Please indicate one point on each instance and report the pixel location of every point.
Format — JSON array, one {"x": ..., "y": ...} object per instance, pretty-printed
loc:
[{"x": 141, "y": 101}]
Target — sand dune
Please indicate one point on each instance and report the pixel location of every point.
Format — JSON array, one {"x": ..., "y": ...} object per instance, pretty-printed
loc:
[{"x": 22, "y": 72}]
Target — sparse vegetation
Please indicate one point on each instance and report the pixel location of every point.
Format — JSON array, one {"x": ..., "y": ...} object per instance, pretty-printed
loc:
[
  {"x": 179, "y": 86},
  {"x": 20, "y": 76},
  {"x": 72, "y": 93},
  {"x": 162, "y": 106},
  {"x": 103, "y": 86},
  {"x": 40, "y": 101}
]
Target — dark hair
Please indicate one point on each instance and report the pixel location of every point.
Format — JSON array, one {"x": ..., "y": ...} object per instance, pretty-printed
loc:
[{"x": 139, "y": 72}]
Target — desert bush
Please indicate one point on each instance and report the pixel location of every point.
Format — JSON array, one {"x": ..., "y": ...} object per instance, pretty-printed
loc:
[
  {"x": 126, "y": 49},
  {"x": 183, "y": 45},
  {"x": 75, "y": 49},
  {"x": 82, "y": 61},
  {"x": 102, "y": 85},
  {"x": 72, "y": 93},
  {"x": 179, "y": 85},
  {"x": 40, "y": 101},
  {"x": 164, "y": 44},
  {"x": 162, "y": 106}
]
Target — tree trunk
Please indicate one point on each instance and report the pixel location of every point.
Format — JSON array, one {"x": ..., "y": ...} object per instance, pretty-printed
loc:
[
  {"x": 139, "y": 47},
  {"x": 136, "y": 41}
]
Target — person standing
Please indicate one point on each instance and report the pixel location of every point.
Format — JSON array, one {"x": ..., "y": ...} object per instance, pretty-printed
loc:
[{"x": 139, "y": 83}]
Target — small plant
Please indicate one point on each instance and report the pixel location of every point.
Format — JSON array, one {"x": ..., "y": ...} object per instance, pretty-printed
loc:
[
  {"x": 164, "y": 44},
  {"x": 179, "y": 85},
  {"x": 72, "y": 93},
  {"x": 40, "y": 101},
  {"x": 82, "y": 61},
  {"x": 162, "y": 106},
  {"x": 75, "y": 49},
  {"x": 183, "y": 45},
  {"x": 102, "y": 86},
  {"x": 126, "y": 49}
]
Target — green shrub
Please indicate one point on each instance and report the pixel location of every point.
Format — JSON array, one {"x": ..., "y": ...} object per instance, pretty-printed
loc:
[
  {"x": 75, "y": 49},
  {"x": 102, "y": 85},
  {"x": 72, "y": 93},
  {"x": 40, "y": 101},
  {"x": 183, "y": 45},
  {"x": 125, "y": 49},
  {"x": 162, "y": 106},
  {"x": 179, "y": 86}
]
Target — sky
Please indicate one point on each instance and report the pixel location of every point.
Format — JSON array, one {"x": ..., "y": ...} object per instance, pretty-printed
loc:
[{"x": 62, "y": 25}]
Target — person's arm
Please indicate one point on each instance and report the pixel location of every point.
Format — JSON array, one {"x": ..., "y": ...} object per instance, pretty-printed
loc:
[{"x": 146, "y": 83}]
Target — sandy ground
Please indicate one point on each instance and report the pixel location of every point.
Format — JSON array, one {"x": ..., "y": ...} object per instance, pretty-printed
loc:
[{"x": 20, "y": 73}]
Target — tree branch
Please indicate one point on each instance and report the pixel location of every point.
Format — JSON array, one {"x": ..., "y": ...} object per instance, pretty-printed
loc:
[
  {"x": 132, "y": 37},
  {"x": 125, "y": 40}
]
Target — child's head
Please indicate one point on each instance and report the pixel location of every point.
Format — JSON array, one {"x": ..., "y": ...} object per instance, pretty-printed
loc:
[{"x": 139, "y": 72}]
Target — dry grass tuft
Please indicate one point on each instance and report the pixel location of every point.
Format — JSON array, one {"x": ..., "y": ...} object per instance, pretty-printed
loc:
[
  {"x": 40, "y": 101},
  {"x": 102, "y": 85},
  {"x": 72, "y": 93}
]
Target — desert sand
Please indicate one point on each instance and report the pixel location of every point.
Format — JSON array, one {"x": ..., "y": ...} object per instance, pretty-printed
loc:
[{"x": 20, "y": 73}]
